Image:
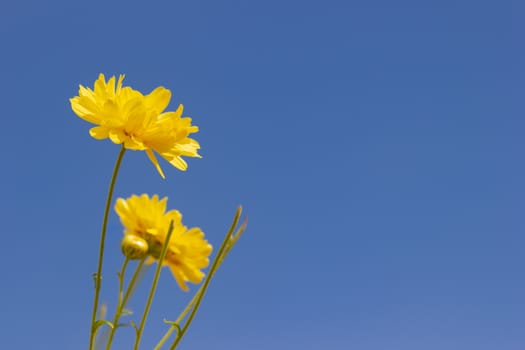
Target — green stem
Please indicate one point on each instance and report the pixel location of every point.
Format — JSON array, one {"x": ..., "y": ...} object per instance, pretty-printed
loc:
[
  {"x": 178, "y": 321},
  {"x": 225, "y": 247},
  {"x": 97, "y": 276},
  {"x": 121, "y": 280},
  {"x": 123, "y": 299},
  {"x": 153, "y": 286}
]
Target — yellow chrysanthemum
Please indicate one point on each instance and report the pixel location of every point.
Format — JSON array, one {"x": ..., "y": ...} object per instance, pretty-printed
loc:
[
  {"x": 146, "y": 218},
  {"x": 138, "y": 121}
]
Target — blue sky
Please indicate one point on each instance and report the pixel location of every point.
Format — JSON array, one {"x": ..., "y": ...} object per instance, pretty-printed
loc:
[{"x": 377, "y": 147}]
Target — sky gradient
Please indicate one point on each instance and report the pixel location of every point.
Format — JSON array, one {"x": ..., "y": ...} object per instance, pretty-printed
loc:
[{"x": 376, "y": 146}]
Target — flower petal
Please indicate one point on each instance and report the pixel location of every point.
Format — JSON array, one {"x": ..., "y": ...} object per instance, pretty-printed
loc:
[
  {"x": 117, "y": 136},
  {"x": 179, "y": 277},
  {"x": 99, "y": 132},
  {"x": 155, "y": 162},
  {"x": 158, "y": 99},
  {"x": 179, "y": 163}
]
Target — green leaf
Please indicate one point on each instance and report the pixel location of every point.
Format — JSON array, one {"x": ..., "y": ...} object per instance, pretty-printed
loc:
[
  {"x": 134, "y": 325},
  {"x": 126, "y": 312},
  {"x": 101, "y": 322},
  {"x": 174, "y": 324}
]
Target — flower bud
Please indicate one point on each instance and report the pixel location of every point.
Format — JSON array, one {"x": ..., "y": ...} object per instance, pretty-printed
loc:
[
  {"x": 155, "y": 248},
  {"x": 134, "y": 247}
]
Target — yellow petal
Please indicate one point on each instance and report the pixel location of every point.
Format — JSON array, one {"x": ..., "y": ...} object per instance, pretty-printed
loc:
[
  {"x": 179, "y": 163},
  {"x": 158, "y": 99},
  {"x": 99, "y": 132},
  {"x": 155, "y": 162},
  {"x": 100, "y": 86},
  {"x": 111, "y": 86},
  {"x": 179, "y": 278},
  {"x": 188, "y": 148},
  {"x": 119, "y": 84},
  {"x": 117, "y": 136},
  {"x": 178, "y": 112}
]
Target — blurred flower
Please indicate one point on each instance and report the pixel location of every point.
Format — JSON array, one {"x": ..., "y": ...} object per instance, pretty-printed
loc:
[
  {"x": 146, "y": 218},
  {"x": 138, "y": 121}
]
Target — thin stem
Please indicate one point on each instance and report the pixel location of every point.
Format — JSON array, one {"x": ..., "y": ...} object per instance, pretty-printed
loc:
[
  {"x": 229, "y": 244},
  {"x": 97, "y": 276},
  {"x": 121, "y": 276},
  {"x": 165, "y": 338},
  {"x": 104, "y": 338},
  {"x": 123, "y": 300},
  {"x": 153, "y": 286},
  {"x": 183, "y": 314},
  {"x": 225, "y": 247}
]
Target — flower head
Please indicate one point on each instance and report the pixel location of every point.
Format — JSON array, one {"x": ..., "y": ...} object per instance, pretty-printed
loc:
[
  {"x": 187, "y": 251},
  {"x": 137, "y": 121}
]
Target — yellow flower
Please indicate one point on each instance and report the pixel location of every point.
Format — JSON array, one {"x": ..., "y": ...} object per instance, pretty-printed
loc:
[
  {"x": 146, "y": 218},
  {"x": 138, "y": 121}
]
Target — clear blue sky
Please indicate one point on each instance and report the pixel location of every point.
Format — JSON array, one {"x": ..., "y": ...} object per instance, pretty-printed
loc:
[{"x": 377, "y": 147}]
